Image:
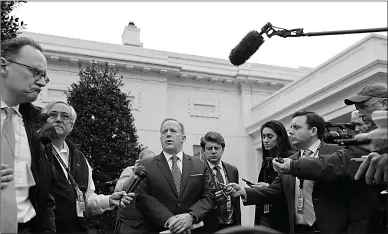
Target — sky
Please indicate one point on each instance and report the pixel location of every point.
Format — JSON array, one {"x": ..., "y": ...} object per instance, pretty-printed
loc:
[{"x": 212, "y": 29}]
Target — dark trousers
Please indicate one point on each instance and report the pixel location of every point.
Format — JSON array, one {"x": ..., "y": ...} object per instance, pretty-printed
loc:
[
  {"x": 24, "y": 228},
  {"x": 122, "y": 228},
  {"x": 72, "y": 225},
  {"x": 222, "y": 226},
  {"x": 306, "y": 229}
]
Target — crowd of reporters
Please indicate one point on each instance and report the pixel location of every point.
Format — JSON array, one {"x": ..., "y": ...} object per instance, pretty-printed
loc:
[{"x": 305, "y": 185}]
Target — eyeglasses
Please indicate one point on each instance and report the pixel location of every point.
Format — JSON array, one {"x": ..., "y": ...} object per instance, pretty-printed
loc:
[
  {"x": 36, "y": 73},
  {"x": 366, "y": 108},
  {"x": 63, "y": 115}
]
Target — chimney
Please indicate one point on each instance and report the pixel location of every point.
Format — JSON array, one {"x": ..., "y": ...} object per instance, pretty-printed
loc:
[{"x": 131, "y": 35}]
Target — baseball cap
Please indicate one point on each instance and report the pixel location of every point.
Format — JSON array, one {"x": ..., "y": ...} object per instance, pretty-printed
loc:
[{"x": 379, "y": 91}]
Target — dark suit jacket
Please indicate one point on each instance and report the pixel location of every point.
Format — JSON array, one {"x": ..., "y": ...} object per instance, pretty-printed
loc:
[
  {"x": 362, "y": 199},
  {"x": 211, "y": 221},
  {"x": 329, "y": 198},
  {"x": 42, "y": 170},
  {"x": 196, "y": 191}
]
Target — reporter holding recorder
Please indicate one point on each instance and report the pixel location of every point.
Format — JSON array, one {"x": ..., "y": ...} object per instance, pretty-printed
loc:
[
  {"x": 226, "y": 212},
  {"x": 275, "y": 143},
  {"x": 312, "y": 207},
  {"x": 362, "y": 200},
  {"x": 74, "y": 191}
]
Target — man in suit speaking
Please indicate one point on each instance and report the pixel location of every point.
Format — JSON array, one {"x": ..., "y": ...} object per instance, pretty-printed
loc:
[{"x": 180, "y": 183}]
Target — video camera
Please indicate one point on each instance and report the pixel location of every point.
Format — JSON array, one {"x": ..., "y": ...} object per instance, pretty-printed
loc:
[{"x": 335, "y": 133}]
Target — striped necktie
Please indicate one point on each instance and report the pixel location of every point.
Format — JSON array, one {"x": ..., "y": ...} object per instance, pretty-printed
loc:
[
  {"x": 9, "y": 221},
  {"x": 308, "y": 208}
]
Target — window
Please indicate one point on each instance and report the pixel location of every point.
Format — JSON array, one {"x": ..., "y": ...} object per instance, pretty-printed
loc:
[{"x": 197, "y": 151}]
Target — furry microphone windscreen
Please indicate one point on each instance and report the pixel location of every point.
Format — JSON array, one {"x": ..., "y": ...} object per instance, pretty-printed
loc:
[{"x": 246, "y": 48}]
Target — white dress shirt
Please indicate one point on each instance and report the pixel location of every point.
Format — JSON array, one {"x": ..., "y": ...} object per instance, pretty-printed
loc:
[
  {"x": 96, "y": 204},
  {"x": 222, "y": 171},
  {"x": 169, "y": 159},
  {"x": 299, "y": 217},
  {"x": 22, "y": 164}
]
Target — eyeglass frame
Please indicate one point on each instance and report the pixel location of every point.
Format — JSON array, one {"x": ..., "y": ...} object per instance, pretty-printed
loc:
[
  {"x": 60, "y": 114},
  {"x": 35, "y": 72},
  {"x": 366, "y": 108}
]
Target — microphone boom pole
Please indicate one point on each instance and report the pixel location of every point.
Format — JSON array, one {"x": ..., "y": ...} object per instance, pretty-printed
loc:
[
  {"x": 299, "y": 32},
  {"x": 253, "y": 40}
]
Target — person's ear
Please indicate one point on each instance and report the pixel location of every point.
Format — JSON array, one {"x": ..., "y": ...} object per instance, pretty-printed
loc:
[
  {"x": 384, "y": 104},
  {"x": 314, "y": 131},
  {"x": 4, "y": 66},
  {"x": 183, "y": 138}
]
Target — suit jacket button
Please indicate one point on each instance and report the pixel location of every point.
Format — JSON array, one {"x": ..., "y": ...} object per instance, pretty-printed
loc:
[{"x": 179, "y": 205}]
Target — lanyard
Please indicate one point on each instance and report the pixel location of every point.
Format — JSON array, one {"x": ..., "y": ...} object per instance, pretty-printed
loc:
[
  {"x": 315, "y": 154},
  {"x": 69, "y": 176}
]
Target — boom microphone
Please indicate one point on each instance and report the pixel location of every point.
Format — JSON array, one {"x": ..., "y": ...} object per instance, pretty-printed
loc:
[
  {"x": 248, "y": 46},
  {"x": 140, "y": 174}
]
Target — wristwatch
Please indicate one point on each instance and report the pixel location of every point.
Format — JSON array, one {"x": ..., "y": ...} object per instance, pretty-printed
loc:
[{"x": 194, "y": 215}]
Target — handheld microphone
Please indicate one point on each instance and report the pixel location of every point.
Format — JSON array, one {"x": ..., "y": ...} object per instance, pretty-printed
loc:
[
  {"x": 248, "y": 46},
  {"x": 140, "y": 174},
  {"x": 47, "y": 132}
]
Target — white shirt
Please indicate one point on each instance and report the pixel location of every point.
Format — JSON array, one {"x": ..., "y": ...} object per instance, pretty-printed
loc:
[
  {"x": 299, "y": 217},
  {"x": 96, "y": 204},
  {"x": 22, "y": 151},
  {"x": 169, "y": 159},
  {"x": 222, "y": 171}
]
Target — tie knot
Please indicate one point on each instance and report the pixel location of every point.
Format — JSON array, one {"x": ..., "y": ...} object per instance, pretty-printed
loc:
[
  {"x": 174, "y": 158},
  {"x": 307, "y": 152},
  {"x": 217, "y": 168},
  {"x": 9, "y": 112}
]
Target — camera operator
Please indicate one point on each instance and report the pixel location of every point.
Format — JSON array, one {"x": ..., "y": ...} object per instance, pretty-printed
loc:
[
  {"x": 362, "y": 199},
  {"x": 360, "y": 125}
]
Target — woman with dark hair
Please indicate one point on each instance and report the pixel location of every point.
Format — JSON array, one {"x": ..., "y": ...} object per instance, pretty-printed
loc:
[{"x": 275, "y": 143}]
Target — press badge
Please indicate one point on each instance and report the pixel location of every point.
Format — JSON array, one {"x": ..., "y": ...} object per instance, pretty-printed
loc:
[
  {"x": 300, "y": 203},
  {"x": 80, "y": 199},
  {"x": 80, "y": 213},
  {"x": 23, "y": 177},
  {"x": 266, "y": 208}
]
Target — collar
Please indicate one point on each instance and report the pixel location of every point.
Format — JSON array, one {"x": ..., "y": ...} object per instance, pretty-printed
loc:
[
  {"x": 314, "y": 147},
  {"x": 213, "y": 165},
  {"x": 65, "y": 148},
  {"x": 168, "y": 156},
  {"x": 15, "y": 108}
]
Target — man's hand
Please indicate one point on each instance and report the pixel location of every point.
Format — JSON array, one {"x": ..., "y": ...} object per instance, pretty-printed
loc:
[
  {"x": 378, "y": 137},
  {"x": 284, "y": 167},
  {"x": 375, "y": 168},
  {"x": 181, "y": 223},
  {"x": 6, "y": 175},
  {"x": 260, "y": 185},
  {"x": 235, "y": 190},
  {"x": 121, "y": 198}
]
